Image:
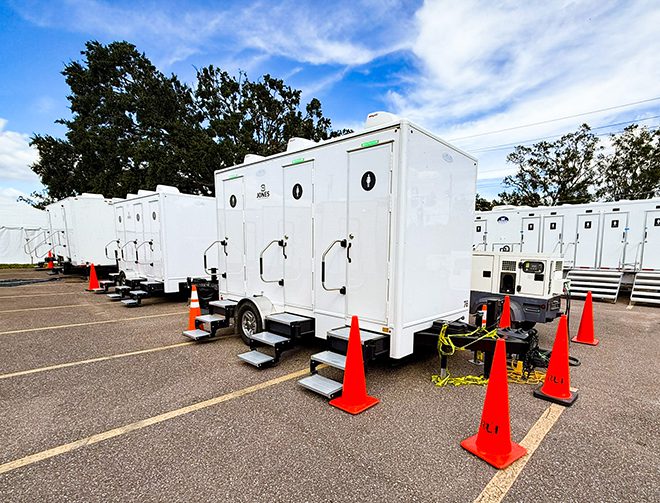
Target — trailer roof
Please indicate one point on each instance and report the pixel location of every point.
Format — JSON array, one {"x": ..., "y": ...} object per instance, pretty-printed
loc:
[{"x": 380, "y": 127}]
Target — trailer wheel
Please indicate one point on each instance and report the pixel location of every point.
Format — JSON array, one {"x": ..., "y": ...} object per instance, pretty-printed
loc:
[{"x": 248, "y": 321}]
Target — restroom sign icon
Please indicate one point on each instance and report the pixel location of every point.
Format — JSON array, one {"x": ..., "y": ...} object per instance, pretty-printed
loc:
[
  {"x": 368, "y": 180},
  {"x": 297, "y": 191}
]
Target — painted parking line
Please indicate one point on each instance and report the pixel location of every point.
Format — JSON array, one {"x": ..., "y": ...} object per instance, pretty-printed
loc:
[
  {"x": 90, "y": 323},
  {"x": 38, "y": 295},
  {"x": 499, "y": 485},
  {"x": 94, "y": 360},
  {"x": 138, "y": 425},
  {"x": 43, "y": 308}
]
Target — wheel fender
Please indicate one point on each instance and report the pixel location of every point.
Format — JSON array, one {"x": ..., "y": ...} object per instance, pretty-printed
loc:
[
  {"x": 262, "y": 304},
  {"x": 517, "y": 313}
]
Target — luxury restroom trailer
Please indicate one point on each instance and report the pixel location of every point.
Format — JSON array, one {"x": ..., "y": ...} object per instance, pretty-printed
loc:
[
  {"x": 372, "y": 224},
  {"x": 160, "y": 237},
  {"x": 603, "y": 244},
  {"x": 79, "y": 228}
]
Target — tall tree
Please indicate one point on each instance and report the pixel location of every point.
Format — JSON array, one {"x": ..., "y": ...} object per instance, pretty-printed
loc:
[
  {"x": 483, "y": 204},
  {"x": 632, "y": 169},
  {"x": 551, "y": 173},
  {"x": 257, "y": 117}
]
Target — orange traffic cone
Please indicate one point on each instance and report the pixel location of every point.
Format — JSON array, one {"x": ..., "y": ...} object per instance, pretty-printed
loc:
[
  {"x": 492, "y": 443},
  {"x": 557, "y": 385},
  {"x": 354, "y": 398},
  {"x": 195, "y": 311},
  {"x": 505, "y": 319},
  {"x": 586, "y": 331},
  {"x": 93, "y": 280},
  {"x": 50, "y": 261}
]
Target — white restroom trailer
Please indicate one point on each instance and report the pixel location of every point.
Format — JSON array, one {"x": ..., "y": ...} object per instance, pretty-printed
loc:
[
  {"x": 79, "y": 229},
  {"x": 370, "y": 224},
  {"x": 604, "y": 244},
  {"x": 158, "y": 242}
]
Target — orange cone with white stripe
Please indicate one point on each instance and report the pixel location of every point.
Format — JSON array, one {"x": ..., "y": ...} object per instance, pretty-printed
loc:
[
  {"x": 50, "y": 262},
  {"x": 195, "y": 311}
]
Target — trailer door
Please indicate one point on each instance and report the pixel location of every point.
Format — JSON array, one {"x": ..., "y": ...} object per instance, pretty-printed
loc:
[
  {"x": 368, "y": 232},
  {"x": 480, "y": 235},
  {"x": 531, "y": 234},
  {"x": 298, "y": 235},
  {"x": 553, "y": 233},
  {"x": 154, "y": 255},
  {"x": 234, "y": 238},
  {"x": 120, "y": 233},
  {"x": 613, "y": 240},
  {"x": 651, "y": 251},
  {"x": 139, "y": 250},
  {"x": 586, "y": 240}
]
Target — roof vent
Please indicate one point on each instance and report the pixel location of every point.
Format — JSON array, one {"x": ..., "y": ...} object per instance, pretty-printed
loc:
[
  {"x": 297, "y": 143},
  {"x": 167, "y": 189},
  {"x": 252, "y": 158},
  {"x": 87, "y": 195},
  {"x": 379, "y": 118},
  {"x": 145, "y": 192}
]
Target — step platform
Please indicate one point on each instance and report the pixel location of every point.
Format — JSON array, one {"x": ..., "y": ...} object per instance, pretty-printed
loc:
[
  {"x": 138, "y": 293},
  {"x": 113, "y": 275},
  {"x": 196, "y": 334},
  {"x": 122, "y": 289},
  {"x": 329, "y": 358},
  {"x": 153, "y": 286},
  {"x": 365, "y": 335},
  {"x": 225, "y": 306},
  {"x": 98, "y": 290},
  {"x": 114, "y": 296},
  {"x": 256, "y": 358},
  {"x": 130, "y": 302},
  {"x": 270, "y": 339},
  {"x": 210, "y": 318},
  {"x": 290, "y": 325},
  {"x": 321, "y": 385}
]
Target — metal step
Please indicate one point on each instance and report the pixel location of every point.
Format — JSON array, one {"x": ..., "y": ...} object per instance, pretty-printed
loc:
[
  {"x": 330, "y": 358},
  {"x": 269, "y": 338},
  {"x": 114, "y": 296},
  {"x": 603, "y": 285},
  {"x": 107, "y": 282},
  {"x": 196, "y": 334},
  {"x": 286, "y": 318},
  {"x": 256, "y": 358},
  {"x": 210, "y": 318},
  {"x": 321, "y": 385},
  {"x": 365, "y": 335},
  {"x": 646, "y": 288},
  {"x": 122, "y": 288},
  {"x": 130, "y": 302},
  {"x": 138, "y": 293},
  {"x": 113, "y": 275},
  {"x": 224, "y": 306},
  {"x": 290, "y": 325}
]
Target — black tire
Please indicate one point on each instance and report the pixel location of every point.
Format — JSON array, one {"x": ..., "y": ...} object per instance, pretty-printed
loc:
[{"x": 248, "y": 321}]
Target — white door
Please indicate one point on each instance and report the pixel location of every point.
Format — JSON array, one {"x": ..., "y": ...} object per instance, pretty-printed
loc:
[
  {"x": 651, "y": 252},
  {"x": 613, "y": 240},
  {"x": 586, "y": 240},
  {"x": 531, "y": 234},
  {"x": 233, "y": 242},
  {"x": 154, "y": 251},
  {"x": 139, "y": 249},
  {"x": 298, "y": 235},
  {"x": 368, "y": 232},
  {"x": 480, "y": 235},
  {"x": 120, "y": 231},
  {"x": 553, "y": 233}
]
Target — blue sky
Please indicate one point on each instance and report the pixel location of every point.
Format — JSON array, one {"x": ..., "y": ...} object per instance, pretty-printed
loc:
[{"x": 466, "y": 70}]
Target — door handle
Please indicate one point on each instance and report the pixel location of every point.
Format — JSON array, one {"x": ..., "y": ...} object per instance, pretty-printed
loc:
[{"x": 348, "y": 252}]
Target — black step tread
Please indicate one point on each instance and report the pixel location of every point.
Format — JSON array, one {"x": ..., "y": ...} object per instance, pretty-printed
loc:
[
  {"x": 330, "y": 358},
  {"x": 210, "y": 318},
  {"x": 287, "y": 318},
  {"x": 321, "y": 385},
  {"x": 222, "y": 303},
  {"x": 196, "y": 334},
  {"x": 269, "y": 338},
  {"x": 365, "y": 335},
  {"x": 138, "y": 293},
  {"x": 130, "y": 302},
  {"x": 256, "y": 358}
]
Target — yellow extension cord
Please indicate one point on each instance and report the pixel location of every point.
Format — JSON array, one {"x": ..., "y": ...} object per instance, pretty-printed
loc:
[{"x": 514, "y": 373}]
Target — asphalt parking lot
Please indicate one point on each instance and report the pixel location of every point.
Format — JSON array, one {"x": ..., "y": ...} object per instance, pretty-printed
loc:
[{"x": 104, "y": 403}]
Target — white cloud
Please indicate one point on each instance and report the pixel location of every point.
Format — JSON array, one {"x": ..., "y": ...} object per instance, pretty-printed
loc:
[
  {"x": 16, "y": 156},
  {"x": 10, "y": 194},
  {"x": 486, "y": 66}
]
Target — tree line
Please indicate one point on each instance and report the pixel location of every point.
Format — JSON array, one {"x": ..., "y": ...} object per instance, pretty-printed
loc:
[
  {"x": 578, "y": 168},
  {"x": 132, "y": 127}
]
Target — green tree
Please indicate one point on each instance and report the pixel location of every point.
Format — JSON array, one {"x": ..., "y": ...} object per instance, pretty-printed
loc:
[
  {"x": 551, "y": 173},
  {"x": 632, "y": 169},
  {"x": 483, "y": 204},
  {"x": 257, "y": 117}
]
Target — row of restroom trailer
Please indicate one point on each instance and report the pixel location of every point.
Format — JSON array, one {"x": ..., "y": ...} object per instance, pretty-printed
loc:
[
  {"x": 372, "y": 223},
  {"x": 604, "y": 245}
]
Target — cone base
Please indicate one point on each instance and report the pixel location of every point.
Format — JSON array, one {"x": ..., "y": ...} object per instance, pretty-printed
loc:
[
  {"x": 352, "y": 408},
  {"x": 560, "y": 401},
  {"x": 499, "y": 461},
  {"x": 590, "y": 343}
]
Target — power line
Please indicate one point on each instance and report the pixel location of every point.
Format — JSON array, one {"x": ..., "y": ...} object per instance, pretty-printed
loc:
[
  {"x": 503, "y": 146},
  {"x": 557, "y": 119}
]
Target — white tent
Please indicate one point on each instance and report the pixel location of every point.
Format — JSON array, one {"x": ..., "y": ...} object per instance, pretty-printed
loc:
[{"x": 18, "y": 223}]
